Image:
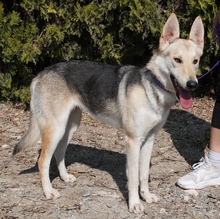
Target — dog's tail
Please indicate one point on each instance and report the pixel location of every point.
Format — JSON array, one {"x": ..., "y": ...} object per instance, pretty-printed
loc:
[{"x": 31, "y": 137}]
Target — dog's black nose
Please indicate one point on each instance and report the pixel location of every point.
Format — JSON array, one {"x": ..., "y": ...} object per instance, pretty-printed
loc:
[{"x": 191, "y": 85}]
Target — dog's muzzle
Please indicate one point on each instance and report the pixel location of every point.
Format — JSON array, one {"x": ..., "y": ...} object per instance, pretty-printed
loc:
[{"x": 184, "y": 94}]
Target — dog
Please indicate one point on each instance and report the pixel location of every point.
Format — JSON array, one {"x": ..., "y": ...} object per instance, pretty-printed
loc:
[{"x": 138, "y": 100}]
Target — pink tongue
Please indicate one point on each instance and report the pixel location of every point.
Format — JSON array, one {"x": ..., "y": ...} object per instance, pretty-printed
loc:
[{"x": 185, "y": 98}]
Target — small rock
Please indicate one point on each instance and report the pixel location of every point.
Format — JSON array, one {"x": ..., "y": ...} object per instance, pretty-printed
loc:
[
  {"x": 109, "y": 205},
  {"x": 15, "y": 119},
  {"x": 162, "y": 211},
  {"x": 186, "y": 198},
  {"x": 86, "y": 194},
  {"x": 2, "y": 106},
  {"x": 5, "y": 146},
  {"x": 192, "y": 192}
]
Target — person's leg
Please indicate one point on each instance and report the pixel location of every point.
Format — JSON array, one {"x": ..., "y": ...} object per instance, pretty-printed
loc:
[
  {"x": 214, "y": 144},
  {"x": 210, "y": 165},
  {"x": 215, "y": 139}
]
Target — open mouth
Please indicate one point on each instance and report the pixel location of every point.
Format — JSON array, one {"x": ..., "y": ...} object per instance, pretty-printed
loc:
[{"x": 184, "y": 96}]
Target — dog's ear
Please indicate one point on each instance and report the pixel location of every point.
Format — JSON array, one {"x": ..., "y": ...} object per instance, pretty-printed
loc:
[
  {"x": 171, "y": 31},
  {"x": 197, "y": 32}
]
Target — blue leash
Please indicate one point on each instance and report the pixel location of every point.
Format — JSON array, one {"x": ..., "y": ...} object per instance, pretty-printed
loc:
[{"x": 214, "y": 66}]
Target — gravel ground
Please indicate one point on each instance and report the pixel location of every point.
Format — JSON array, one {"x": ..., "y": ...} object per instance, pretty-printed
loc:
[{"x": 96, "y": 156}]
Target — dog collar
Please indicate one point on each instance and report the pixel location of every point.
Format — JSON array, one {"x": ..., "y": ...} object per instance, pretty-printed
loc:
[{"x": 158, "y": 83}]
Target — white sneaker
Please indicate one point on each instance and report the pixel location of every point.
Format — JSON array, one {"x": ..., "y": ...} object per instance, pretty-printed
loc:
[{"x": 204, "y": 174}]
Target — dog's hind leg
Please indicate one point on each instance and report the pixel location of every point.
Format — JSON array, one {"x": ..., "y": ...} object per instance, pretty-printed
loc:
[
  {"x": 51, "y": 135},
  {"x": 72, "y": 125},
  {"x": 145, "y": 157},
  {"x": 56, "y": 134}
]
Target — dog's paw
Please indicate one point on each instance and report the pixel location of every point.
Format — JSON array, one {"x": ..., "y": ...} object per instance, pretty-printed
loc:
[
  {"x": 52, "y": 194},
  {"x": 149, "y": 197},
  {"x": 136, "y": 208},
  {"x": 68, "y": 178}
]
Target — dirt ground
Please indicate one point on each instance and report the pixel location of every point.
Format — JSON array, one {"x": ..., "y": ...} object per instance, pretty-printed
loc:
[{"x": 96, "y": 156}]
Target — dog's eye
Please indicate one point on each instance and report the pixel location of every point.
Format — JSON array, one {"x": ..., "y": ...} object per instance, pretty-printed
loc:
[
  {"x": 178, "y": 60},
  {"x": 195, "y": 61}
]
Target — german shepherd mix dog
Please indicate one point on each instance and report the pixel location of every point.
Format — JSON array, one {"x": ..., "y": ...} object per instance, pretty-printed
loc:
[{"x": 135, "y": 99}]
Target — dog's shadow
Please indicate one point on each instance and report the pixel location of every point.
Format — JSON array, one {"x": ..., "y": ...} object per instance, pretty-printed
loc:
[
  {"x": 188, "y": 134},
  {"x": 105, "y": 160}
]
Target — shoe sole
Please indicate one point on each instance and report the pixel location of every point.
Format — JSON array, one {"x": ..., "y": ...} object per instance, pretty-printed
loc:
[{"x": 201, "y": 186}]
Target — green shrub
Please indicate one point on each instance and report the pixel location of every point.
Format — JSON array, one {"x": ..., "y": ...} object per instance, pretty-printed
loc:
[{"x": 36, "y": 34}]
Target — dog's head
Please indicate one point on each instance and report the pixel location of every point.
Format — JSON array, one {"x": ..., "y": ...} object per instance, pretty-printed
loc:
[{"x": 181, "y": 58}]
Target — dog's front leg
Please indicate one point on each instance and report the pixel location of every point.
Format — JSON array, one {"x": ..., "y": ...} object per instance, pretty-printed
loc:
[
  {"x": 145, "y": 157},
  {"x": 133, "y": 154}
]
